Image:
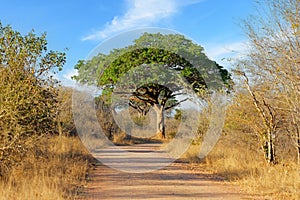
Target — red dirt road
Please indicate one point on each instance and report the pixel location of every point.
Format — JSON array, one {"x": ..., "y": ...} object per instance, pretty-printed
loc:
[{"x": 174, "y": 181}]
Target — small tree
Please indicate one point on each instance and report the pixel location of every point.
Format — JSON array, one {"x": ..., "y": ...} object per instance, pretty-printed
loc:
[
  {"x": 273, "y": 66},
  {"x": 269, "y": 120},
  {"x": 27, "y": 92}
]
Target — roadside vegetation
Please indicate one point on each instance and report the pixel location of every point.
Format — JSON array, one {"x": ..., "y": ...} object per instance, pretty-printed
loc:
[
  {"x": 57, "y": 168},
  {"x": 260, "y": 146},
  {"x": 238, "y": 158},
  {"x": 40, "y": 157}
]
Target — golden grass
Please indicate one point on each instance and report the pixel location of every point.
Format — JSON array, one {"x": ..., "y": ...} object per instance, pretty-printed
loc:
[
  {"x": 57, "y": 169},
  {"x": 241, "y": 164},
  {"x": 191, "y": 155}
]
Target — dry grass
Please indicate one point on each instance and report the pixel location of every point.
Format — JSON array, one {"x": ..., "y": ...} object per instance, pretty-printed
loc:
[
  {"x": 191, "y": 155},
  {"x": 56, "y": 170},
  {"x": 239, "y": 163},
  {"x": 274, "y": 182}
]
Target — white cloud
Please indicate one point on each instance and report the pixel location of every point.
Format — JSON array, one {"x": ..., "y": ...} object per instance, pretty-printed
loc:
[
  {"x": 220, "y": 50},
  {"x": 66, "y": 79},
  {"x": 233, "y": 50},
  {"x": 140, "y": 13},
  {"x": 70, "y": 73}
]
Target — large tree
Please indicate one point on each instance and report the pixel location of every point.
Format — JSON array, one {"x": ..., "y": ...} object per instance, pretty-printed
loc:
[{"x": 153, "y": 71}]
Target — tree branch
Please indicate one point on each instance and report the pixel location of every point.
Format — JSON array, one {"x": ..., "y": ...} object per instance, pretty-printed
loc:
[{"x": 176, "y": 104}]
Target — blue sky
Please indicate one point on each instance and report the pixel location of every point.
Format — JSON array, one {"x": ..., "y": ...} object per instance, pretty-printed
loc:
[{"x": 81, "y": 25}]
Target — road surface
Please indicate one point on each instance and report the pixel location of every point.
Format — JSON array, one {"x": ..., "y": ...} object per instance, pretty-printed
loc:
[{"x": 145, "y": 172}]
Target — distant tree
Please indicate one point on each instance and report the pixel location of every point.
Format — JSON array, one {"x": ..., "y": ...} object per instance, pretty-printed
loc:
[
  {"x": 27, "y": 92},
  {"x": 159, "y": 60}
]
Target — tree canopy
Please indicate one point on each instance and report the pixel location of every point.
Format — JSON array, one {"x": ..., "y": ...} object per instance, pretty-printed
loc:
[{"x": 173, "y": 51}]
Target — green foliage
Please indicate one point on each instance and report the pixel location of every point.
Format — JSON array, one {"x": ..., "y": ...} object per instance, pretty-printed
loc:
[
  {"x": 28, "y": 96},
  {"x": 178, "y": 114},
  {"x": 173, "y": 52}
]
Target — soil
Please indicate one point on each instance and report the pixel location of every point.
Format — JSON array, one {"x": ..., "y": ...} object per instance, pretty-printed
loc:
[{"x": 145, "y": 172}]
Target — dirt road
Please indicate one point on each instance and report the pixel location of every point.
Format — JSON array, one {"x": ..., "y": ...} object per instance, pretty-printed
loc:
[{"x": 171, "y": 181}]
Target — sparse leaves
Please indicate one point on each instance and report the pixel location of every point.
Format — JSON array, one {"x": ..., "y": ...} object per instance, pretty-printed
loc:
[{"x": 273, "y": 67}]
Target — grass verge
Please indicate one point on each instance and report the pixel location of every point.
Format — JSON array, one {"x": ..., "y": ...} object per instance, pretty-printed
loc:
[
  {"x": 240, "y": 164},
  {"x": 56, "y": 169}
]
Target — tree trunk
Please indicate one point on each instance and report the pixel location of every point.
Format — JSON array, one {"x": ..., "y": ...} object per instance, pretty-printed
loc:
[
  {"x": 270, "y": 148},
  {"x": 160, "y": 121},
  {"x": 298, "y": 148},
  {"x": 271, "y": 157},
  {"x": 267, "y": 117},
  {"x": 298, "y": 154}
]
